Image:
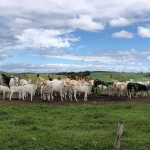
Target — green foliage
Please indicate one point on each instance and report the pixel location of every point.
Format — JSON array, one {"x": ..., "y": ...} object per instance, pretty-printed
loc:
[{"x": 72, "y": 127}]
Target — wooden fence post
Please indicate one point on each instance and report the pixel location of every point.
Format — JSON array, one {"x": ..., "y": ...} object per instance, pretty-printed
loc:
[{"x": 119, "y": 135}]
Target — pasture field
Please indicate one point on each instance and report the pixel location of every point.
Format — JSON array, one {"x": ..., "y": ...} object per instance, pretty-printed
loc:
[
  {"x": 70, "y": 127},
  {"x": 120, "y": 76},
  {"x": 104, "y": 76}
]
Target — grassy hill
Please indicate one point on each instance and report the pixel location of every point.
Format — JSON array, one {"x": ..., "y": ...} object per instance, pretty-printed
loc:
[{"x": 111, "y": 76}]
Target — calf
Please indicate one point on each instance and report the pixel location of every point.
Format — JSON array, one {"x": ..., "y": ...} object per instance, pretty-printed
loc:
[
  {"x": 16, "y": 89},
  {"x": 30, "y": 88},
  {"x": 47, "y": 92},
  {"x": 111, "y": 90},
  {"x": 123, "y": 90},
  {"x": 25, "y": 82}
]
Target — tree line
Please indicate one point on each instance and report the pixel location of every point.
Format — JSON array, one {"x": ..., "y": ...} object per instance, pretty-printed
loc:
[{"x": 74, "y": 74}]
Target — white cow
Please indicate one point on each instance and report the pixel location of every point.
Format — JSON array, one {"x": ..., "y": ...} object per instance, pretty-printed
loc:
[
  {"x": 111, "y": 90},
  {"x": 39, "y": 84},
  {"x": 82, "y": 88},
  {"x": 57, "y": 85},
  {"x": 78, "y": 86},
  {"x": 68, "y": 91},
  {"x": 13, "y": 81},
  {"x": 123, "y": 90},
  {"x": 5, "y": 90},
  {"x": 30, "y": 89},
  {"x": 22, "y": 90},
  {"x": 15, "y": 89},
  {"x": 47, "y": 92},
  {"x": 24, "y": 82}
]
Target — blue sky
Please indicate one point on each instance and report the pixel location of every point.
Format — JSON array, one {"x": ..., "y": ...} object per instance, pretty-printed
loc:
[{"x": 48, "y": 36}]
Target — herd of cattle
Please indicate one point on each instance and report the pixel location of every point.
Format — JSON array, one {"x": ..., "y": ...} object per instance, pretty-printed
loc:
[{"x": 67, "y": 88}]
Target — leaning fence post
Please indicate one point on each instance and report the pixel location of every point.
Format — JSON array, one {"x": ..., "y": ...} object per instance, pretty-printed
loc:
[{"x": 119, "y": 135}]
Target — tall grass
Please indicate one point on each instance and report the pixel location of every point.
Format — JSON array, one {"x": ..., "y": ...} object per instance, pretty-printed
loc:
[{"x": 72, "y": 127}]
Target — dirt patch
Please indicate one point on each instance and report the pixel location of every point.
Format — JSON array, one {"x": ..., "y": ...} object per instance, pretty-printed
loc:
[{"x": 100, "y": 99}]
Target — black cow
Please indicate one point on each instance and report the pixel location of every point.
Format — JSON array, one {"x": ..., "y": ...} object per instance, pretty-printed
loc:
[
  {"x": 5, "y": 79},
  {"x": 136, "y": 87},
  {"x": 95, "y": 86}
]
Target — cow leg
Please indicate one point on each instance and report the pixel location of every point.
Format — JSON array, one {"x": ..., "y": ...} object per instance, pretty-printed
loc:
[
  {"x": 19, "y": 95},
  {"x": 44, "y": 96},
  {"x": 70, "y": 96},
  {"x": 136, "y": 94},
  {"x": 92, "y": 90},
  {"x": 23, "y": 93},
  {"x": 61, "y": 95},
  {"x": 3, "y": 95},
  {"x": 85, "y": 96},
  {"x": 129, "y": 93},
  {"x": 75, "y": 96},
  {"x": 41, "y": 91},
  {"x": 48, "y": 97},
  {"x": 31, "y": 96},
  {"x": 10, "y": 95},
  {"x": 52, "y": 95}
]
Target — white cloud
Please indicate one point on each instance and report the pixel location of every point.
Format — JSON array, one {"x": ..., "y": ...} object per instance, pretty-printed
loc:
[
  {"x": 122, "y": 34},
  {"x": 5, "y": 54},
  {"x": 104, "y": 57},
  {"x": 148, "y": 57},
  {"x": 22, "y": 21},
  {"x": 85, "y": 22},
  {"x": 46, "y": 38},
  {"x": 97, "y": 10},
  {"x": 100, "y": 61},
  {"x": 143, "y": 32},
  {"x": 133, "y": 50},
  {"x": 119, "y": 22}
]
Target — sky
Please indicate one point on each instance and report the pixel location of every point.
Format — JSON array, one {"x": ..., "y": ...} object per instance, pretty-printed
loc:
[{"x": 50, "y": 36}]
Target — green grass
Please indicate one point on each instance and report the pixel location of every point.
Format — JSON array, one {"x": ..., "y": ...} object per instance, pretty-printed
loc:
[
  {"x": 69, "y": 127},
  {"x": 111, "y": 76}
]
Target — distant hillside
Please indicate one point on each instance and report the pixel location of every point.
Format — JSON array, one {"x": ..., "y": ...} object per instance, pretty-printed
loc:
[{"x": 111, "y": 76}]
